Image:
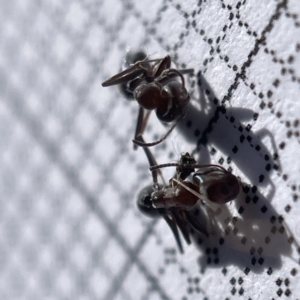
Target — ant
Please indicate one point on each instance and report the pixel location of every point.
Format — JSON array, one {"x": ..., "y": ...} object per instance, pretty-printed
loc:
[
  {"x": 177, "y": 202},
  {"x": 154, "y": 85}
]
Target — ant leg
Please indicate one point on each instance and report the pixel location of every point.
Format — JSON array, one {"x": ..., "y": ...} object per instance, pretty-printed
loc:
[
  {"x": 145, "y": 121},
  {"x": 132, "y": 72},
  {"x": 164, "y": 166},
  {"x": 152, "y": 162},
  {"x": 211, "y": 214},
  {"x": 186, "y": 71},
  {"x": 173, "y": 226},
  {"x": 141, "y": 144},
  {"x": 168, "y": 75},
  {"x": 178, "y": 74},
  {"x": 208, "y": 167},
  {"x": 193, "y": 221},
  {"x": 164, "y": 65},
  {"x": 182, "y": 224},
  {"x": 141, "y": 125}
]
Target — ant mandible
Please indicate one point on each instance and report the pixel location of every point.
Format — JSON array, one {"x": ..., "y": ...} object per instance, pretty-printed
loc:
[
  {"x": 177, "y": 202},
  {"x": 154, "y": 85}
]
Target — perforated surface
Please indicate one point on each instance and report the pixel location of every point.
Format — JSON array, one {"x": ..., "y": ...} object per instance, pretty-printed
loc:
[{"x": 69, "y": 178}]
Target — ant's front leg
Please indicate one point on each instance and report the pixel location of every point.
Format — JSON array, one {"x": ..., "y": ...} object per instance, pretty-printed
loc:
[
  {"x": 169, "y": 75},
  {"x": 186, "y": 71}
]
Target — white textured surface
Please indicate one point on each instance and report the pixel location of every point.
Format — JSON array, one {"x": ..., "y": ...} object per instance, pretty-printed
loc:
[{"x": 69, "y": 225}]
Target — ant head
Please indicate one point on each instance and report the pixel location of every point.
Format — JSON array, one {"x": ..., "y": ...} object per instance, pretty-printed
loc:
[
  {"x": 127, "y": 87},
  {"x": 144, "y": 202},
  {"x": 185, "y": 166},
  {"x": 219, "y": 186},
  {"x": 187, "y": 159}
]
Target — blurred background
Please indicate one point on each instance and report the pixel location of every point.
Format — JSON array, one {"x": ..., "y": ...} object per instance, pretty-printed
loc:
[{"x": 69, "y": 177}]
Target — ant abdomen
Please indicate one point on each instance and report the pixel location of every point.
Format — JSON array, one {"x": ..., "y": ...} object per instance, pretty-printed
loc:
[
  {"x": 219, "y": 189},
  {"x": 224, "y": 190},
  {"x": 144, "y": 202}
]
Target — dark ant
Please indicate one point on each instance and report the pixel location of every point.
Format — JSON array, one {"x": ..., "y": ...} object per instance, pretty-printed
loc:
[
  {"x": 178, "y": 202},
  {"x": 154, "y": 85}
]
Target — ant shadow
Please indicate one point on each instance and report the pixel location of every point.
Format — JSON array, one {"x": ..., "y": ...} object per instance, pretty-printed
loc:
[
  {"x": 219, "y": 127},
  {"x": 253, "y": 237}
]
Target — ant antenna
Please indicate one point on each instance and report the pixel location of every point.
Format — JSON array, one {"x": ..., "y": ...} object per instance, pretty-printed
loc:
[{"x": 148, "y": 56}]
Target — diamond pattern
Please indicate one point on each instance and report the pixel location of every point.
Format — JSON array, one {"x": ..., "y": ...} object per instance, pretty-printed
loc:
[{"x": 69, "y": 178}]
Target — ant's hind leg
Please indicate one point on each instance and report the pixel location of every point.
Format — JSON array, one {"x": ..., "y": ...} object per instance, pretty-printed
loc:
[
  {"x": 182, "y": 224},
  {"x": 143, "y": 144},
  {"x": 194, "y": 221},
  {"x": 152, "y": 162},
  {"x": 173, "y": 226}
]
